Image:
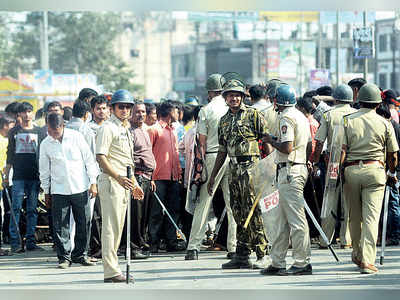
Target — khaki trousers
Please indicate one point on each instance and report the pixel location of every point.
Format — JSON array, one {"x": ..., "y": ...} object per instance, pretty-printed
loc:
[
  {"x": 328, "y": 224},
  {"x": 114, "y": 200},
  {"x": 291, "y": 219},
  {"x": 364, "y": 189},
  {"x": 202, "y": 210}
]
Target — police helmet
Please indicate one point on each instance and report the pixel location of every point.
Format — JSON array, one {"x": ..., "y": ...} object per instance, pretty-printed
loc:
[
  {"x": 343, "y": 92},
  {"x": 369, "y": 93},
  {"x": 122, "y": 96},
  {"x": 213, "y": 83},
  {"x": 285, "y": 95}
]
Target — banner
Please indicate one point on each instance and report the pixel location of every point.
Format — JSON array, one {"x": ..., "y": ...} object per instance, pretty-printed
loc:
[
  {"x": 363, "y": 42},
  {"x": 350, "y": 17},
  {"x": 227, "y": 16},
  {"x": 318, "y": 78},
  {"x": 43, "y": 81},
  {"x": 290, "y": 16}
]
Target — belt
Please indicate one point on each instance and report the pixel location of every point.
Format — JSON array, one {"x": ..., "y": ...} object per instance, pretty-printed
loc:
[
  {"x": 365, "y": 162},
  {"x": 243, "y": 159},
  {"x": 211, "y": 152},
  {"x": 284, "y": 164},
  {"x": 143, "y": 174}
]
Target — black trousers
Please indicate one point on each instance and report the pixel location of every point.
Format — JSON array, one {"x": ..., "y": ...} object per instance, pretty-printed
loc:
[{"x": 61, "y": 208}]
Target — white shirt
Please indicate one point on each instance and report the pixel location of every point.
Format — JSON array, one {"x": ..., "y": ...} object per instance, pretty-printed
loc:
[{"x": 69, "y": 165}]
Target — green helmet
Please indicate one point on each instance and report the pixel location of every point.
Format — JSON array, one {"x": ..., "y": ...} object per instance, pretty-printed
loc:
[
  {"x": 271, "y": 88},
  {"x": 369, "y": 93},
  {"x": 213, "y": 83},
  {"x": 234, "y": 85},
  {"x": 343, "y": 92}
]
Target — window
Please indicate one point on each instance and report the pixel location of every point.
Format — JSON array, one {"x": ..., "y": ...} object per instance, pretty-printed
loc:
[
  {"x": 393, "y": 80},
  {"x": 382, "y": 43}
]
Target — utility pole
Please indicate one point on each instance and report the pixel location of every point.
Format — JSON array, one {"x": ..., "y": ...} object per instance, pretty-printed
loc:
[
  {"x": 365, "y": 59},
  {"x": 319, "y": 44},
  {"x": 44, "y": 42},
  {"x": 337, "y": 47}
]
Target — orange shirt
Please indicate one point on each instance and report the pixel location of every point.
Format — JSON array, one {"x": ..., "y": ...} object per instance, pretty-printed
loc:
[{"x": 165, "y": 150}]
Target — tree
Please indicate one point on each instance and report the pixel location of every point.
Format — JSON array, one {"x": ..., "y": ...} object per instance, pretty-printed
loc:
[{"x": 78, "y": 43}]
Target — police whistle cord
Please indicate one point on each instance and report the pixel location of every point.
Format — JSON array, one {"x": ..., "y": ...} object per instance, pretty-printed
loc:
[
  {"x": 385, "y": 216},
  {"x": 170, "y": 218},
  {"x": 128, "y": 229},
  {"x": 13, "y": 215},
  {"x": 322, "y": 233}
]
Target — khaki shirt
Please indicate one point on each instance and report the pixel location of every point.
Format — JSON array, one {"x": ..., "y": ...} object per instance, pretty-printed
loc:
[
  {"x": 329, "y": 120},
  {"x": 294, "y": 127},
  {"x": 239, "y": 132},
  {"x": 115, "y": 142},
  {"x": 368, "y": 136},
  {"x": 269, "y": 113},
  {"x": 209, "y": 117}
]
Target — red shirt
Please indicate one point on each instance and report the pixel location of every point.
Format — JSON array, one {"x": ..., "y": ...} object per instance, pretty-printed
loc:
[
  {"x": 165, "y": 150},
  {"x": 313, "y": 129}
]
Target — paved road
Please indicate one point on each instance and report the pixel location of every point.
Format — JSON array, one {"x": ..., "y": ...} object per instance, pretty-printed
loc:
[{"x": 38, "y": 270}]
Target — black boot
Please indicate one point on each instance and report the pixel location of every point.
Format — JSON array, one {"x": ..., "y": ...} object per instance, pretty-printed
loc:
[
  {"x": 238, "y": 262},
  {"x": 192, "y": 255}
]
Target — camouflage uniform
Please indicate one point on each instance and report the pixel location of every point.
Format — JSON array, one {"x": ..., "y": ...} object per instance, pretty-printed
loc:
[{"x": 238, "y": 136}]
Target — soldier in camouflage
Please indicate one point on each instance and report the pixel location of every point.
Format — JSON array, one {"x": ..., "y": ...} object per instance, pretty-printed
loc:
[{"x": 238, "y": 133}]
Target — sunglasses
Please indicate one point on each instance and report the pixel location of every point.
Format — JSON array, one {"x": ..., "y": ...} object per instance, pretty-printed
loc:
[{"x": 124, "y": 106}]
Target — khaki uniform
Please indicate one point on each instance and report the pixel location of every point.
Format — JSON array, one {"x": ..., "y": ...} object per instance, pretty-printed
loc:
[
  {"x": 291, "y": 219},
  {"x": 329, "y": 120},
  {"x": 368, "y": 136},
  {"x": 115, "y": 142},
  {"x": 269, "y": 113},
  {"x": 238, "y": 135},
  {"x": 209, "y": 117}
]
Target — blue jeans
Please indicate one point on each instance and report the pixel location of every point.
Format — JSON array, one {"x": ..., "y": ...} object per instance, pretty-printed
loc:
[
  {"x": 30, "y": 188},
  {"x": 394, "y": 215}
]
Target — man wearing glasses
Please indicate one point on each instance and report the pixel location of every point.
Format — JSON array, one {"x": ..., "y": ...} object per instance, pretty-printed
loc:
[{"x": 114, "y": 152}]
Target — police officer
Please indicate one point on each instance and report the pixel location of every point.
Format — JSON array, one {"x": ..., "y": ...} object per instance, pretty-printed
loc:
[
  {"x": 368, "y": 139},
  {"x": 114, "y": 152},
  {"x": 207, "y": 129},
  {"x": 294, "y": 146},
  {"x": 238, "y": 132},
  {"x": 343, "y": 96}
]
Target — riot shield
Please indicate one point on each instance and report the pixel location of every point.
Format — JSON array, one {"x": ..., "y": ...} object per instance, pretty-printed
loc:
[
  {"x": 263, "y": 179},
  {"x": 333, "y": 171}
]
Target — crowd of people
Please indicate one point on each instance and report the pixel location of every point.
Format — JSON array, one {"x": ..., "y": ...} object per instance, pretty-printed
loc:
[{"x": 185, "y": 157}]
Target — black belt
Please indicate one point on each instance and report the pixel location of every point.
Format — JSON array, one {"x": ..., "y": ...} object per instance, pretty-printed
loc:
[
  {"x": 211, "y": 152},
  {"x": 243, "y": 159},
  {"x": 284, "y": 164}
]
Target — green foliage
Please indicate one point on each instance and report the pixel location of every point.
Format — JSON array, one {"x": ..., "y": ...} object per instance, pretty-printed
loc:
[{"x": 79, "y": 42}]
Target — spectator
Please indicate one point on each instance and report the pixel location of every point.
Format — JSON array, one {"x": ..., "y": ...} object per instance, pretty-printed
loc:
[
  {"x": 22, "y": 156},
  {"x": 166, "y": 176},
  {"x": 100, "y": 112},
  {"x": 67, "y": 113},
  {"x": 389, "y": 97},
  {"x": 67, "y": 169},
  {"x": 151, "y": 114},
  {"x": 6, "y": 123},
  {"x": 12, "y": 110},
  {"x": 87, "y": 94}
]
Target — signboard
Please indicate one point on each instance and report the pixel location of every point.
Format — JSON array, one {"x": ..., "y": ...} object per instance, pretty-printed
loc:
[
  {"x": 224, "y": 16},
  {"x": 318, "y": 78},
  {"x": 290, "y": 16},
  {"x": 273, "y": 59},
  {"x": 350, "y": 17},
  {"x": 363, "y": 42}
]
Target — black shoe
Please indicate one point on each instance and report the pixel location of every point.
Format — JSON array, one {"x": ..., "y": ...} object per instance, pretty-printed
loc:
[
  {"x": 153, "y": 248},
  {"x": 230, "y": 255},
  {"x": 17, "y": 249},
  {"x": 137, "y": 254},
  {"x": 34, "y": 248},
  {"x": 307, "y": 270},
  {"x": 192, "y": 255},
  {"x": 64, "y": 264},
  {"x": 176, "y": 247},
  {"x": 238, "y": 262},
  {"x": 271, "y": 270},
  {"x": 84, "y": 262}
]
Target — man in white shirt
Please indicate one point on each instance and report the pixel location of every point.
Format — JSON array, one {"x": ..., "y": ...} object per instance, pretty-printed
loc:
[{"x": 66, "y": 161}]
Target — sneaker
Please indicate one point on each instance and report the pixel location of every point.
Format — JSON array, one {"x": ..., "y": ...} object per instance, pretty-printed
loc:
[
  {"x": 293, "y": 270},
  {"x": 260, "y": 263},
  {"x": 64, "y": 264},
  {"x": 192, "y": 255},
  {"x": 84, "y": 262},
  {"x": 271, "y": 270},
  {"x": 34, "y": 248}
]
